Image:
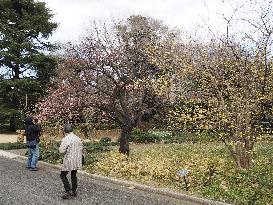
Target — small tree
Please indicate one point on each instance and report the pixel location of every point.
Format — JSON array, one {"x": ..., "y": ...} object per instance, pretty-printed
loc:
[{"x": 110, "y": 70}]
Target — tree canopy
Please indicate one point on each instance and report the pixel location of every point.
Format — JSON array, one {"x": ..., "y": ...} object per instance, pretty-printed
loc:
[
  {"x": 25, "y": 26},
  {"x": 226, "y": 87},
  {"x": 110, "y": 70}
]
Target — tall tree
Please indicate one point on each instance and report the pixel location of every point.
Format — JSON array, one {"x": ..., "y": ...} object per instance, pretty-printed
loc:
[{"x": 25, "y": 26}]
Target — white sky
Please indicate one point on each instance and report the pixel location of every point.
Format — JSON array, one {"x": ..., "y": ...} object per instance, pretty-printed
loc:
[{"x": 74, "y": 16}]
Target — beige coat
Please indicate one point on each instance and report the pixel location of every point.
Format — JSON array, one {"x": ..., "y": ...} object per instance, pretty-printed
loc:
[{"x": 71, "y": 146}]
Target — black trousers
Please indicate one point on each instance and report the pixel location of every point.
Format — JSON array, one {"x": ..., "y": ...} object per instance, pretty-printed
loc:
[{"x": 65, "y": 181}]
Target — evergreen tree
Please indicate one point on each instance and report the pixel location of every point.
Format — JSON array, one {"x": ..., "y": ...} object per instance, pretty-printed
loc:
[{"x": 25, "y": 26}]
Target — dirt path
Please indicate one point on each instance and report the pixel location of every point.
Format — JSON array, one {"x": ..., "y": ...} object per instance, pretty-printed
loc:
[{"x": 5, "y": 138}]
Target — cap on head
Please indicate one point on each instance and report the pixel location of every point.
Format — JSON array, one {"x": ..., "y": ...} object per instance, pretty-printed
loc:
[{"x": 68, "y": 128}]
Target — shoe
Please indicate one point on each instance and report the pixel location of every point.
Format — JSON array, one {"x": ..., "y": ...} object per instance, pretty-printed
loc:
[
  {"x": 28, "y": 167},
  {"x": 34, "y": 169},
  {"x": 74, "y": 194},
  {"x": 67, "y": 195}
]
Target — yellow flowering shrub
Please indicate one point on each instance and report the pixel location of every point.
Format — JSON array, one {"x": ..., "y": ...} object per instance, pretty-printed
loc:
[
  {"x": 160, "y": 163},
  {"x": 212, "y": 173}
]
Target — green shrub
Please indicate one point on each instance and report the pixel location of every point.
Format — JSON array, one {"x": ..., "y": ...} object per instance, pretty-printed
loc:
[
  {"x": 113, "y": 143},
  {"x": 15, "y": 145},
  {"x": 91, "y": 147},
  {"x": 155, "y": 136},
  {"x": 139, "y": 136},
  {"x": 183, "y": 137},
  {"x": 105, "y": 140},
  {"x": 162, "y": 136},
  {"x": 51, "y": 155},
  {"x": 92, "y": 150}
]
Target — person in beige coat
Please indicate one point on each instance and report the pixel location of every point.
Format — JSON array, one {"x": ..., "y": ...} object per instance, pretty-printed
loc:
[{"x": 71, "y": 147}]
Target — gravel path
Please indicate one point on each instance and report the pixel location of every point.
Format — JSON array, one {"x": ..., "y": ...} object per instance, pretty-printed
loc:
[
  {"x": 22, "y": 187},
  {"x": 5, "y": 138}
]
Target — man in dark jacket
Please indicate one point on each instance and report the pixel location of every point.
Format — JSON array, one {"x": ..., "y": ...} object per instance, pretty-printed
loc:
[{"x": 32, "y": 132}]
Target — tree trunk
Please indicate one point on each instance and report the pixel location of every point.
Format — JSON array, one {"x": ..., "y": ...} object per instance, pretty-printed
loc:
[
  {"x": 12, "y": 124},
  {"x": 16, "y": 70},
  {"x": 13, "y": 117},
  {"x": 126, "y": 131},
  {"x": 242, "y": 156}
]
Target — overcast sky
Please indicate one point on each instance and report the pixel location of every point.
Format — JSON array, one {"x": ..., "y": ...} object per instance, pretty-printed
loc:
[{"x": 74, "y": 16}]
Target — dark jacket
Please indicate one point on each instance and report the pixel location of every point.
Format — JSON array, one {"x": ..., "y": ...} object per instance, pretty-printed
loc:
[{"x": 32, "y": 131}]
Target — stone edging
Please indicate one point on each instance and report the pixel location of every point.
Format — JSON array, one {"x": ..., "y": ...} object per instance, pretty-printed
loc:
[{"x": 130, "y": 184}]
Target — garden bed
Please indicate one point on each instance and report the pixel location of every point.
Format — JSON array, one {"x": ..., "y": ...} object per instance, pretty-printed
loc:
[{"x": 211, "y": 172}]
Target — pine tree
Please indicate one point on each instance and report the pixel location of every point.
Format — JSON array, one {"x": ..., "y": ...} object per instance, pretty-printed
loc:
[{"x": 25, "y": 26}]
